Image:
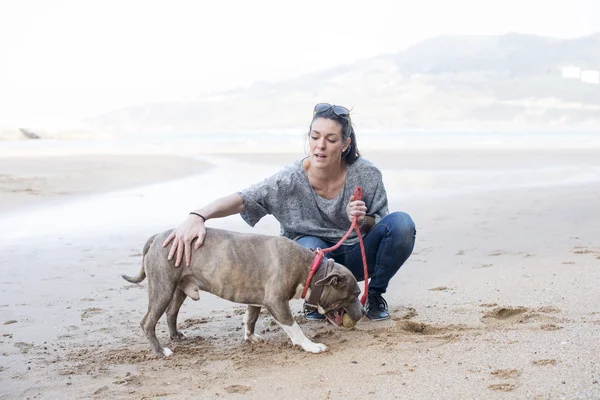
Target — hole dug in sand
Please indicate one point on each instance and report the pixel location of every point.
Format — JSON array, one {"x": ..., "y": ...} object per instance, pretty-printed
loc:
[
  {"x": 522, "y": 315},
  {"x": 419, "y": 327}
]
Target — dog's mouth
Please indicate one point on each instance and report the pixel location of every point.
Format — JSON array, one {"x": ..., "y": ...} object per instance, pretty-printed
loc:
[{"x": 336, "y": 317}]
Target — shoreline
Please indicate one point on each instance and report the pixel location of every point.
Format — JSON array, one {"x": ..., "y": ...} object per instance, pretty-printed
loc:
[{"x": 33, "y": 181}]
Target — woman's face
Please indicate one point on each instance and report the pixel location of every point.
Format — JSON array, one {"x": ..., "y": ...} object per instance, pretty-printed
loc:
[{"x": 325, "y": 143}]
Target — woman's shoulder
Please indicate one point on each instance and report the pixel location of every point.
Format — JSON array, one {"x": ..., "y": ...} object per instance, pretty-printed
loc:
[
  {"x": 364, "y": 166},
  {"x": 290, "y": 171}
]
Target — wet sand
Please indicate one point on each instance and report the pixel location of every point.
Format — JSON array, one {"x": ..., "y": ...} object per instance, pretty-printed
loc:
[
  {"x": 498, "y": 300},
  {"x": 30, "y": 180}
]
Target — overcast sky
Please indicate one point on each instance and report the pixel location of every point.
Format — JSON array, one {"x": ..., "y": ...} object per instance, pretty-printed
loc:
[{"x": 66, "y": 60}]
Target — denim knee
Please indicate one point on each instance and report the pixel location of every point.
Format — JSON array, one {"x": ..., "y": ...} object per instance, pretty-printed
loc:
[
  {"x": 312, "y": 242},
  {"x": 400, "y": 225}
]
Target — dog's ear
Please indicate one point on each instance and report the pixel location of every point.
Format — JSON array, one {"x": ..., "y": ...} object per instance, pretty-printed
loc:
[{"x": 332, "y": 278}]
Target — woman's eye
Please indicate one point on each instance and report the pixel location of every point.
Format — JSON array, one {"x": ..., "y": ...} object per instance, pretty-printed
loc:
[
  {"x": 332, "y": 141},
  {"x": 314, "y": 138}
]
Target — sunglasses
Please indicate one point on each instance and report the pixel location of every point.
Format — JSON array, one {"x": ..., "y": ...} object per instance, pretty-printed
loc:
[{"x": 337, "y": 110}]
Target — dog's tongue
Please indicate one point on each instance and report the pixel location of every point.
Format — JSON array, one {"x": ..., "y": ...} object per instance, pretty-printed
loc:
[{"x": 336, "y": 317}]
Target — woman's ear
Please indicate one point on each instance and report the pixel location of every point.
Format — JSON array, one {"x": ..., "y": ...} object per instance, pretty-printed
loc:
[{"x": 348, "y": 141}]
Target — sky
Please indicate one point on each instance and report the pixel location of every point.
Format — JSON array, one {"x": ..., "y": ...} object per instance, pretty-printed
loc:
[{"x": 65, "y": 60}]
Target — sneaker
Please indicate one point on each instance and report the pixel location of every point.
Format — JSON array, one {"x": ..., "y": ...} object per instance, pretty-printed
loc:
[
  {"x": 377, "y": 307},
  {"x": 314, "y": 315}
]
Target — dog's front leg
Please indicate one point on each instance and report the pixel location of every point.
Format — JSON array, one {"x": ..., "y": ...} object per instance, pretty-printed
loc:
[{"x": 283, "y": 315}]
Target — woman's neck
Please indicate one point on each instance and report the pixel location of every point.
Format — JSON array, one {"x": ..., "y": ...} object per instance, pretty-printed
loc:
[{"x": 326, "y": 175}]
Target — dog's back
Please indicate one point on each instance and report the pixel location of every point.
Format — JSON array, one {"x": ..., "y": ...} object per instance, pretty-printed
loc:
[{"x": 235, "y": 266}]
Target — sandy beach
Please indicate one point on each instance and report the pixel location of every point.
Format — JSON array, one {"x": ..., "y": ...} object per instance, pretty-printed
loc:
[{"x": 499, "y": 299}]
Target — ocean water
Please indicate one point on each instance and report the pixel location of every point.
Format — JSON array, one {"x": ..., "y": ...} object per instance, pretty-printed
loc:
[{"x": 164, "y": 205}]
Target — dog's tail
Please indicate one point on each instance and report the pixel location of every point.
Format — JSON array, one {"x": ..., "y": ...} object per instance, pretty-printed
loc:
[{"x": 142, "y": 275}]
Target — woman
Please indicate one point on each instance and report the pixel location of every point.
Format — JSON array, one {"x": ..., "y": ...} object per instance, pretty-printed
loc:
[{"x": 313, "y": 201}]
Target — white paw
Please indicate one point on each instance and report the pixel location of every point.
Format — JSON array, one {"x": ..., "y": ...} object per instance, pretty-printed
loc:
[
  {"x": 314, "y": 347},
  {"x": 167, "y": 352}
]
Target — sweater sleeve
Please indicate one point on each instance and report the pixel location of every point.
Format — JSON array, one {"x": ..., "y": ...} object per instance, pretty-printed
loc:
[
  {"x": 258, "y": 200},
  {"x": 266, "y": 197},
  {"x": 379, "y": 204}
]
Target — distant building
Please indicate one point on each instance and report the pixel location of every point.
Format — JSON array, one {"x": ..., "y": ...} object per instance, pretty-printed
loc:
[
  {"x": 590, "y": 76},
  {"x": 571, "y": 72}
]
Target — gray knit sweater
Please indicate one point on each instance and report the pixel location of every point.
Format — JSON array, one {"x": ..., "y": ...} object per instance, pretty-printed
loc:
[{"x": 290, "y": 198}]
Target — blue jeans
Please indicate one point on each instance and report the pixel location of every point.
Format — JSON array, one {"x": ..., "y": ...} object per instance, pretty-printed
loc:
[{"x": 387, "y": 246}]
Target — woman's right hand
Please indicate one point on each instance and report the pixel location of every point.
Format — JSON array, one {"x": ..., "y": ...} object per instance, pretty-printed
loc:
[{"x": 182, "y": 237}]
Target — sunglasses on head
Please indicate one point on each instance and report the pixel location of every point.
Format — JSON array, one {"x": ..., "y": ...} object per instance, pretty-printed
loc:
[{"x": 337, "y": 110}]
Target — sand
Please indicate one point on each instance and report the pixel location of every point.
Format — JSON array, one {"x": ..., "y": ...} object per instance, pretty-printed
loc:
[{"x": 498, "y": 300}]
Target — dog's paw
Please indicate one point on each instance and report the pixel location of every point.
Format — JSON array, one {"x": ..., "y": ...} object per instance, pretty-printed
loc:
[
  {"x": 166, "y": 352},
  {"x": 314, "y": 347},
  {"x": 179, "y": 336},
  {"x": 254, "y": 338}
]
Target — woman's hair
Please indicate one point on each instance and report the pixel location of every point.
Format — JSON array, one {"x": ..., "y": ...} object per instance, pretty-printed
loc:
[{"x": 351, "y": 154}]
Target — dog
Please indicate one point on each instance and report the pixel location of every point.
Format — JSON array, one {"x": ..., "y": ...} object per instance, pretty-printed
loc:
[{"x": 253, "y": 269}]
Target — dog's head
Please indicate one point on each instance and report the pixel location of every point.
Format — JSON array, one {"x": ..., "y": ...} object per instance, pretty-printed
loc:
[{"x": 340, "y": 294}]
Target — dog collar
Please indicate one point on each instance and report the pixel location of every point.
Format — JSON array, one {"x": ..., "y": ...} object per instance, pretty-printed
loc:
[{"x": 316, "y": 274}]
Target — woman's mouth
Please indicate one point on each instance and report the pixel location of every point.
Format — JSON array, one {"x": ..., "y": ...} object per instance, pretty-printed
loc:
[{"x": 320, "y": 157}]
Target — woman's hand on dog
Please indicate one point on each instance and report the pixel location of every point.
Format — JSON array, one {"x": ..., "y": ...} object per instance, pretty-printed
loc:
[{"x": 182, "y": 237}]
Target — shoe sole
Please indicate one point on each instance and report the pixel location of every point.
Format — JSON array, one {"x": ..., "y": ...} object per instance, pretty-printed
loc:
[{"x": 378, "y": 319}]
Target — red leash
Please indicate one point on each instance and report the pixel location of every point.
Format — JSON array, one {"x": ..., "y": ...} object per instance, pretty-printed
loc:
[{"x": 320, "y": 252}]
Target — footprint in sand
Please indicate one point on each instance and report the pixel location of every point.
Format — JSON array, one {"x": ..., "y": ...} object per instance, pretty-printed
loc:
[
  {"x": 483, "y": 266},
  {"x": 581, "y": 250},
  {"x": 239, "y": 389},
  {"x": 90, "y": 312},
  {"x": 511, "y": 315},
  {"x": 527, "y": 255},
  {"x": 440, "y": 289},
  {"x": 496, "y": 253},
  {"x": 506, "y": 373},
  {"x": 550, "y": 327},
  {"x": 503, "y": 387},
  {"x": 544, "y": 363},
  {"x": 506, "y": 313},
  {"x": 24, "y": 347},
  {"x": 403, "y": 313},
  {"x": 190, "y": 322}
]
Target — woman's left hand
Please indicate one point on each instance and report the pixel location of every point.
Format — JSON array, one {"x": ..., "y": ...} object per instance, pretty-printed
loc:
[{"x": 356, "y": 208}]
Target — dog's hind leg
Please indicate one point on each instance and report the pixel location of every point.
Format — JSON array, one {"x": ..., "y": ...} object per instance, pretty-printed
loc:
[
  {"x": 282, "y": 314},
  {"x": 172, "y": 312},
  {"x": 249, "y": 323},
  {"x": 158, "y": 301}
]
